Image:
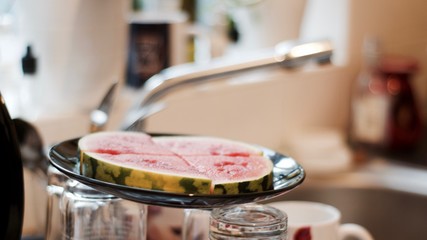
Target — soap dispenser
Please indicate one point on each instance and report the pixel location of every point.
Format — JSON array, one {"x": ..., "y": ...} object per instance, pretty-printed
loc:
[{"x": 12, "y": 208}]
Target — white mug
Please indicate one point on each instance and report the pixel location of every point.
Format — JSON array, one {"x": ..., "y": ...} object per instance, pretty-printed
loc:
[{"x": 318, "y": 221}]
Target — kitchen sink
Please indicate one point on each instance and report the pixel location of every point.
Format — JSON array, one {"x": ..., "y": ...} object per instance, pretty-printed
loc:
[{"x": 388, "y": 199}]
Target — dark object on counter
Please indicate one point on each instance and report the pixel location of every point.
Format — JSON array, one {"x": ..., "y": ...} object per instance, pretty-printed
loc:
[
  {"x": 148, "y": 51},
  {"x": 405, "y": 125},
  {"x": 385, "y": 114},
  {"x": 12, "y": 209}
]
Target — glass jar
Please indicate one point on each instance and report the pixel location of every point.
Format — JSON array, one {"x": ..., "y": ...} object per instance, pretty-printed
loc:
[{"x": 248, "y": 221}]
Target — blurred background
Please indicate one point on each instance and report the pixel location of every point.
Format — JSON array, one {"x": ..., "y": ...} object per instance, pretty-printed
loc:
[
  {"x": 59, "y": 58},
  {"x": 81, "y": 47}
]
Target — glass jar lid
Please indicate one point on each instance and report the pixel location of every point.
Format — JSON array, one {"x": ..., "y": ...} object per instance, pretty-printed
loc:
[{"x": 248, "y": 221}]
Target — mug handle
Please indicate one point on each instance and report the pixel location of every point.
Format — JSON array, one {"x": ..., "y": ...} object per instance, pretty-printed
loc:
[{"x": 354, "y": 230}]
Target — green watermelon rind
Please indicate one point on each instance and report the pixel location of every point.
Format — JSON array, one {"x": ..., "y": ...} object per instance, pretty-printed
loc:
[
  {"x": 261, "y": 184},
  {"x": 97, "y": 168}
]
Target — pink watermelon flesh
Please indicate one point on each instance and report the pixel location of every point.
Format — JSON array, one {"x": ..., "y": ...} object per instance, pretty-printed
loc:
[
  {"x": 170, "y": 164},
  {"x": 225, "y": 169},
  {"x": 190, "y": 146},
  {"x": 116, "y": 143}
]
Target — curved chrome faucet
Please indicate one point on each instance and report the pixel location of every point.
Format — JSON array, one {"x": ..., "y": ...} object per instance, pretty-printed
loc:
[{"x": 286, "y": 54}]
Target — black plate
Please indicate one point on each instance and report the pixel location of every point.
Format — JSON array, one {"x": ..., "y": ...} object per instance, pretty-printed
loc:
[{"x": 288, "y": 174}]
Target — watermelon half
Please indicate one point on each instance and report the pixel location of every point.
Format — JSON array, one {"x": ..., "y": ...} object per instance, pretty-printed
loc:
[{"x": 193, "y": 165}]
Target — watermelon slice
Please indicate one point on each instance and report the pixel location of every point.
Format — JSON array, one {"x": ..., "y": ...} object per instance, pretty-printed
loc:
[{"x": 196, "y": 165}]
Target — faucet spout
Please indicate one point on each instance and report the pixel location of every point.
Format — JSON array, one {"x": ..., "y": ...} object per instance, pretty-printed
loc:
[{"x": 287, "y": 55}]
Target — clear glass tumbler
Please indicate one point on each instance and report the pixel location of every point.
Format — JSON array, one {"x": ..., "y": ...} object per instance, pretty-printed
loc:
[
  {"x": 55, "y": 186},
  {"x": 196, "y": 224},
  {"x": 248, "y": 221},
  {"x": 93, "y": 215}
]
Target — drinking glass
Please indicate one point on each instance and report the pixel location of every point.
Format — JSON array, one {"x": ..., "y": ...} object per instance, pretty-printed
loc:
[
  {"x": 196, "y": 224},
  {"x": 248, "y": 221},
  {"x": 241, "y": 221},
  {"x": 90, "y": 214},
  {"x": 55, "y": 186}
]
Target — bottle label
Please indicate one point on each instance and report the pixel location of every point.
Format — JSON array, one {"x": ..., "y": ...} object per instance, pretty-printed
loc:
[{"x": 370, "y": 115}]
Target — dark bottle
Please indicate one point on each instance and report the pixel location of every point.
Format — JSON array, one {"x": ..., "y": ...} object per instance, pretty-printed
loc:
[
  {"x": 405, "y": 125},
  {"x": 385, "y": 112},
  {"x": 12, "y": 208}
]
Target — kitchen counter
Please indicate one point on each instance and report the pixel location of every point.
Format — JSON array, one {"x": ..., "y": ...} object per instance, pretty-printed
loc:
[
  {"x": 388, "y": 197},
  {"x": 378, "y": 173}
]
